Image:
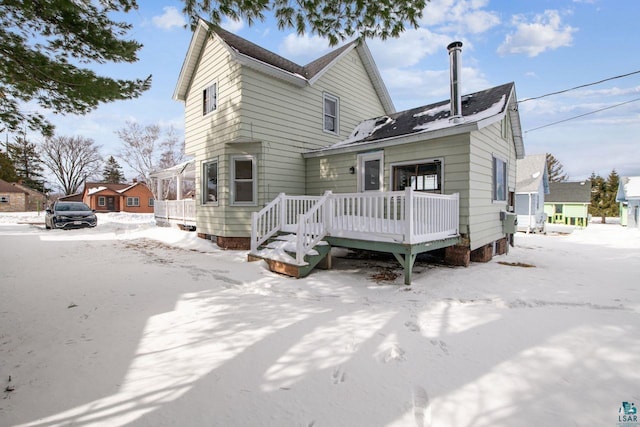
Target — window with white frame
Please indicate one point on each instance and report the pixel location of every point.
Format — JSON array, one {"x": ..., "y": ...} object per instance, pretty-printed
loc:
[
  {"x": 210, "y": 182},
  {"x": 151, "y": 201},
  {"x": 331, "y": 110},
  {"x": 210, "y": 99},
  {"x": 102, "y": 201},
  {"x": 499, "y": 180},
  {"x": 133, "y": 201},
  {"x": 243, "y": 180},
  {"x": 425, "y": 176},
  {"x": 370, "y": 171},
  {"x": 4, "y": 199}
]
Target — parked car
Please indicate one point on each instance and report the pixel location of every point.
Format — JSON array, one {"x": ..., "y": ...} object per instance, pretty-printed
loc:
[{"x": 70, "y": 215}]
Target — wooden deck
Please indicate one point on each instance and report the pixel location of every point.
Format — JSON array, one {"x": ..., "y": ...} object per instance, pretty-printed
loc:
[{"x": 404, "y": 223}]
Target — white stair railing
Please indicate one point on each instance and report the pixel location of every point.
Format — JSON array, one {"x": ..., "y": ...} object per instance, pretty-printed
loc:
[
  {"x": 267, "y": 222},
  {"x": 312, "y": 228}
]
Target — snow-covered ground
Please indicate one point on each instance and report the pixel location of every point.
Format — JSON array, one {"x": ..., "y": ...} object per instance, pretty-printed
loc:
[{"x": 132, "y": 324}]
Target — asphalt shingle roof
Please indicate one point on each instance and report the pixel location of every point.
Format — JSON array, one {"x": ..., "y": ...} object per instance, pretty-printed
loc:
[{"x": 569, "y": 192}]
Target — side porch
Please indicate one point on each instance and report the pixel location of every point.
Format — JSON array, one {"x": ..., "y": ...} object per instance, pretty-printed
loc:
[
  {"x": 295, "y": 233},
  {"x": 174, "y": 202}
]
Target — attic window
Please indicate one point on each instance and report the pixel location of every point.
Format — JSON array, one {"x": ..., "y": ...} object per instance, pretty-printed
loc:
[
  {"x": 210, "y": 99},
  {"x": 331, "y": 109}
]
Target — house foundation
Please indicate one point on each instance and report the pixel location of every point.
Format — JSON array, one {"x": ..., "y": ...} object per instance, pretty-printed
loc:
[
  {"x": 501, "y": 246},
  {"x": 457, "y": 255},
  {"x": 482, "y": 254},
  {"x": 234, "y": 243}
]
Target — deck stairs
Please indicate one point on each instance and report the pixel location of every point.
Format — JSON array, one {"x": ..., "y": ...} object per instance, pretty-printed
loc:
[{"x": 279, "y": 252}]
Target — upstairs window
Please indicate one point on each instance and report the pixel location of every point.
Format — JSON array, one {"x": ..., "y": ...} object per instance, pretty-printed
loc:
[
  {"x": 499, "y": 180},
  {"x": 330, "y": 111},
  {"x": 210, "y": 99}
]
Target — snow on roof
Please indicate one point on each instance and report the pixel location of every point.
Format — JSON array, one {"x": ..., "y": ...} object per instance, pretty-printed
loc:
[
  {"x": 630, "y": 188},
  {"x": 529, "y": 173},
  {"x": 95, "y": 190},
  {"x": 365, "y": 128},
  {"x": 494, "y": 109}
]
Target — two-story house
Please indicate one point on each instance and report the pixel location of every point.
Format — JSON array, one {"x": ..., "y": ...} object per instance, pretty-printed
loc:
[{"x": 319, "y": 151}]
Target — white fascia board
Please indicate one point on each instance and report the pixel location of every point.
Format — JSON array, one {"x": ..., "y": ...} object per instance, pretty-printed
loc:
[
  {"x": 376, "y": 78},
  {"x": 270, "y": 70},
  {"x": 198, "y": 40},
  {"x": 397, "y": 140},
  {"x": 330, "y": 65}
]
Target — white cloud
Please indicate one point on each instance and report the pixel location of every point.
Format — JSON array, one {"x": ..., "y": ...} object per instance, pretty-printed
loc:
[
  {"x": 169, "y": 19},
  {"x": 545, "y": 32},
  {"x": 408, "y": 49},
  {"x": 303, "y": 49},
  {"x": 459, "y": 16},
  {"x": 232, "y": 25}
]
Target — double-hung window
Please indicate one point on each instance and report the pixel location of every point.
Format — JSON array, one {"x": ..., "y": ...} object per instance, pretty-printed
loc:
[
  {"x": 210, "y": 99},
  {"x": 102, "y": 201},
  {"x": 331, "y": 110},
  {"x": 243, "y": 180},
  {"x": 499, "y": 180},
  {"x": 210, "y": 182}
]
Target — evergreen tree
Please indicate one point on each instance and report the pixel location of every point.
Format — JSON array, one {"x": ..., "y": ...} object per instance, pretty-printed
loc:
[
  {"x": 7, "y": 170},
  {"x": 44, "y": 45},
  {"x": 334, "y": 19},
  {"x": 27, "y": 162},
  {"x": 555, "y": 169},
  {"x": 112, "y": 172},
  {"x": 603, "y": 195}
]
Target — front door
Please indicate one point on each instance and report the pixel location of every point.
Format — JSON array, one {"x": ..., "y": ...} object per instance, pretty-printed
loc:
[{"x": 111, "y": 203}]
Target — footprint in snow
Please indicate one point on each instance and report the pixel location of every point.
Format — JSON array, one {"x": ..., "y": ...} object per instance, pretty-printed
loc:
[{"x": 338, "y": 376}]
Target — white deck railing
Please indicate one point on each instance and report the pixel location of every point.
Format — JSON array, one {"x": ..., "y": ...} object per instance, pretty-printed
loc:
[
  {"x": 399, "y": 216},
  {"x": 180, "y": 211}
]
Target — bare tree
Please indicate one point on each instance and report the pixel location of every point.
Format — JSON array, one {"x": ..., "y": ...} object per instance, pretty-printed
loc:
[
  {"x": 145, "y": 152},
  {"x": 71, "y": 160}
]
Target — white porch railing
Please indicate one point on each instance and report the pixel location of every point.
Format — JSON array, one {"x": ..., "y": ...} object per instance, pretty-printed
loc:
[
  {"x": 181, "y": 211},
  {"x": 399, "y": 216}
]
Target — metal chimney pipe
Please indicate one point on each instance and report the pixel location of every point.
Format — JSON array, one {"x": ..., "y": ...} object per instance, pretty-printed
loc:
[{"x": 455, "y": 50}]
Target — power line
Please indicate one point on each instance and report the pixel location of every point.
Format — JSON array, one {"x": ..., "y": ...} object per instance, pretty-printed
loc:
[
  {"x": 581, "y": 86},
  {"x": 582, "y": 115}
]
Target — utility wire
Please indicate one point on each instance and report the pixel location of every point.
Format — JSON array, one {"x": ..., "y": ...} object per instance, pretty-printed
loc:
[
  {"x": 580, "y": 87},
  {"x": 582, "y": 115}
]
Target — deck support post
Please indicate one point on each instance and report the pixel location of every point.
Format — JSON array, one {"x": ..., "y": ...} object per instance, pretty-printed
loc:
[{"x": 407, "y": 262}]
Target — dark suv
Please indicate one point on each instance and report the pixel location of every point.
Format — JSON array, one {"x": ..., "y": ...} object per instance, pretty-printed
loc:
[{"x": 70, "y": 215}]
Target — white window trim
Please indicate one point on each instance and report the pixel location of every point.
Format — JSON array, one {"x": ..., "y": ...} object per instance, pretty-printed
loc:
[
  {"x": 151, "y": 202},
  {"x": 232, "y": 180},
  {"x": 209, "y": 86},
  {"x": 506, "y": 179},
  {"x": 334, "y": 98},
  {"x": 131, "y": 199},
  {"x": 417, "y": 162},
  {"x": 365, "y": 157},
  {"x": 4, "y": 199},
  {"x": 202, "y": 187},
  {"x": 102, "y": 201}
]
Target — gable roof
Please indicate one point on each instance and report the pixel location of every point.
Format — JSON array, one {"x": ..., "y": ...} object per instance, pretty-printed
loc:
[
  {"x": 91, "y": 188},
  {"x": 263, "y": 60},
  {"x": 531, "y": 172},
  {"x": 432, "y": 121},
  {"x": 569, "y": 192},
  {"x": 629, "y": 188},
  {"x": 9, "y": 187}
]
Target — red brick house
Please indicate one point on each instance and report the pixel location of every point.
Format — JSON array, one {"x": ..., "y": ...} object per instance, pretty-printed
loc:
[
  {"x": 15, "y": 197},
  {"x": 108, "y": 197}
]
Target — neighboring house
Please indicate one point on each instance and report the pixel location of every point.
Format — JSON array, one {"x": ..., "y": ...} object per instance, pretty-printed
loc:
[
  {"x": 15, "y": 197},
  {"x": 108, "y": 197},
  {"x": 77, "y": 197},
  {"x": 532, "y": 183},
  {"x": 568, "y": 203},
  {"x": 267, "y": 132},
  {"x": 629, "y": 198}
]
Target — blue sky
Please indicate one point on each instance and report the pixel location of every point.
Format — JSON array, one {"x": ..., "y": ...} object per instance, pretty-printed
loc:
[{"x": 542, "y": 45}]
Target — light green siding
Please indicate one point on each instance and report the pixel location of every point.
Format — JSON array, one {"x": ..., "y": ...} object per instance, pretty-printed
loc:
[
  {"x": 570, "y": 213},
  {"x": 270, "y": 119},
  {"x": 484, "y": 220}
]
